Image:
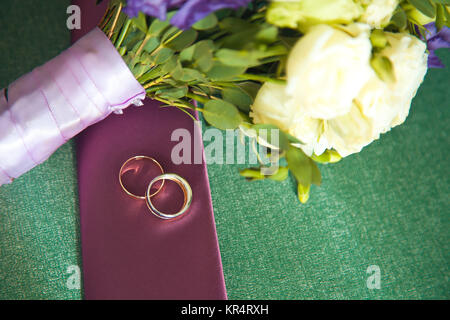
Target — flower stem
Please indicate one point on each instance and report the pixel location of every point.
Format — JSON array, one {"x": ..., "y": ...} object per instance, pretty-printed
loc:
[
  {"x": 197, "y": 97},
  {"x": 123, "y": 33},
  {"x": 115, "y": 21},
  {"x": 248, "y": 76}
]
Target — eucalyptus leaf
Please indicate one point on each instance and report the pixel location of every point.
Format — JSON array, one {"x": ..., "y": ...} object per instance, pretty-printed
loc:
[
  {"x": 208, "y": 22},
  {"x": 154, "y": 73},
  {"x": 169, "y": 33},
  {"x": 233, "y": 24},
  {"x": 203, "y": 55},
  {"x": 187, "y": 54},
  {"x": 250, "y": 87},
  {"x": 183, "y": 40},
  {"x": 157, "y": 27},
  {"x": 140, "y": 22},
  {"x": 238, "y": 97},
  {"x": 221, "y": 114},
  {"x": 424, "y": 6},
  {"x": 222, "y": 72},
  {"x": 151, "y": 45},
  {"x": 140, "y": 69},
  {"x": 162, "y": 55},
  {"x": 170, "y": 64},
  {"x": 400, "y": 19},
  {"x": 187, "y": 75},
  {"x": 173, "y": 93},
  {"x": 236, "y": 58}
]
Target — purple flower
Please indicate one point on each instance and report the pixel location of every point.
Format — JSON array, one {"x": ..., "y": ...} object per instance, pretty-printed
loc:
[
  {"x": 436, "y": 40},
  {"x": 190, "y": 11}
]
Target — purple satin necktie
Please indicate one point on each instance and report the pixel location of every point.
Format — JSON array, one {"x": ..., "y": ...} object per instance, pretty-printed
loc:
[{"x": 127, "y": 252}]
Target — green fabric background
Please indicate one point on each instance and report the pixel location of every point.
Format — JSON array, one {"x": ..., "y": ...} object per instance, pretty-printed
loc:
[{"x": 386, "y": 206}]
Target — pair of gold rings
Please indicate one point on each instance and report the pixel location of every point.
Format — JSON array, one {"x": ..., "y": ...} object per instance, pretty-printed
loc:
[{"x": 180, "y": 181}]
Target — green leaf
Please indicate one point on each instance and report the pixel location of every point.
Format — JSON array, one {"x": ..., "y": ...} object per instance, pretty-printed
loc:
[
  {"x": 187, "y": 54},
  {"x": 208, "y": 22},
  {"x": 173, "y": 93},
  {"x": 203, "y": 55},
  {"x": 140, "y": 69},
  {"x": 447, "y": 16},
  {"x": 281, "y": 174},
  {"x": 238, "y": 97},
  {"x": 303, "y": 193},
  {"x": 399, "y": 19},
  {"x": 424, "y": 6},
  {"x": 440, "y": 16},
  {"x": 444, "y": 2},
  {"x": 233, "y": 25},
  {"x": 158, "y": 27},
  {"x": 169, "y": 34},
  {"x": 267, "y": 35},
  {"x": 183, "y": 40},
  {"x": 300, "y": 166},
  {"x": 170, "y": 64},
  {"x": 383, "y": 68},
  {"x": 162, "y": 55},
  {"x": 251, "y": 88},
  {"x": 222, "y": 72},
  {"x": 252, "y": 173},
  {"x": 188, "y": 75},
  {"x": 236, "y": 58},
  {"x": 156, "y": 72},
  {"x": 140, "y": 22},
  {"x": 329, "y": 156},
  {"x": 221, "y": 114},
  {"x": 151, "y": 45}
]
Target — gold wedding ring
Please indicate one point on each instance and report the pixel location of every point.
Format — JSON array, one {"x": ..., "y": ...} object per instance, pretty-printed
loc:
[
  {"x": 185, "y": 187},
  {"x": 122, "y": 172},
  {"x": 181, "y": 182}
]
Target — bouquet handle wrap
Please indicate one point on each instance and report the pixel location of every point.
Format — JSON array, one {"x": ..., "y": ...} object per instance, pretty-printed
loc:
[{"x": 46, "y": 107}]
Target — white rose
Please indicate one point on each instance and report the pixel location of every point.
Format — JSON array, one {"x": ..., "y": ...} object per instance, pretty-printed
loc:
[
  {"x": 374, "y": 109},
  {"x": 387, "y": 104},
  {"x": 346, "y": 134},
  {"x": 377, "y": 13},
  {"x": 327, "y": 68}
]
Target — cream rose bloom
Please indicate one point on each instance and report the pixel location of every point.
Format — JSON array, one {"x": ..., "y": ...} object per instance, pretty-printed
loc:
[
  {"x": 387, "y": 104},
  {"x": 326, "y": 69},
  {"x": 373, "y": 106},
  {"x": 377, "y": 13}
]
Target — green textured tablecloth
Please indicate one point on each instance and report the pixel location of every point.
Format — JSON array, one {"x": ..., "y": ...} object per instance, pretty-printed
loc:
[{"x": 386, "y": 206}]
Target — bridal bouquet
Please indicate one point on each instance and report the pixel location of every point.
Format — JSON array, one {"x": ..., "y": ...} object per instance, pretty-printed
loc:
[{"x": 311, "y": 81}]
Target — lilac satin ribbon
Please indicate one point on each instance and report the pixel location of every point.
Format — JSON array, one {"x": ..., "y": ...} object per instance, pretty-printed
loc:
[{"x": 46, "y": 107}]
